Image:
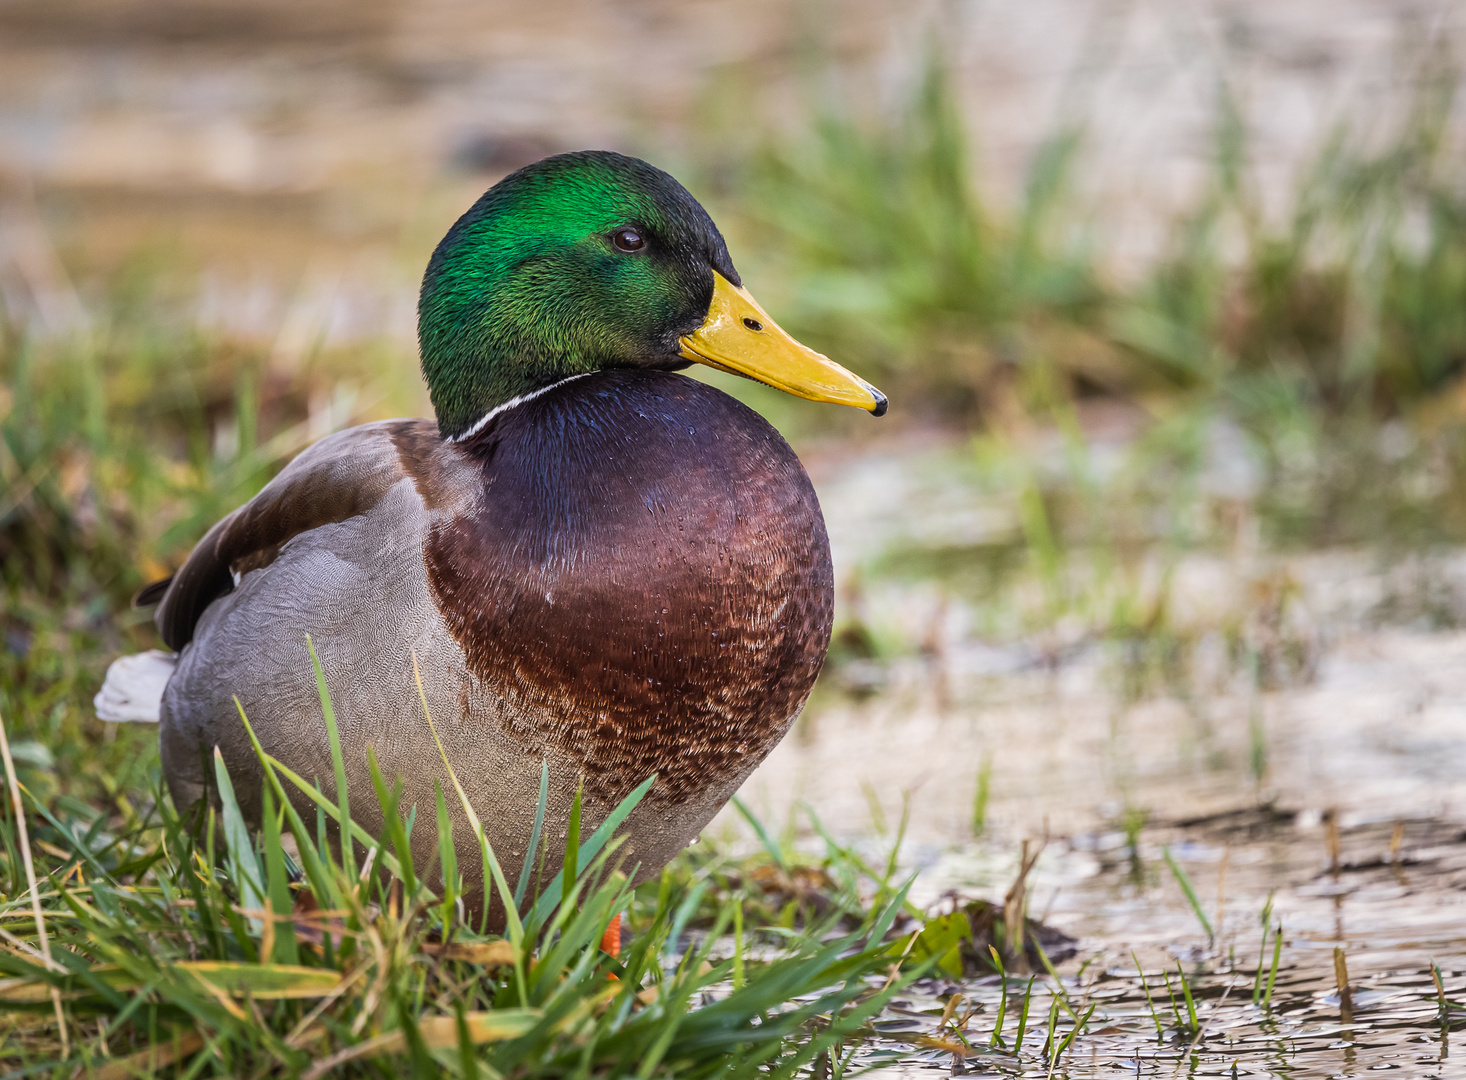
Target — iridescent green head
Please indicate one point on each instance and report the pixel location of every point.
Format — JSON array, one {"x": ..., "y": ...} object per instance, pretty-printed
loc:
[{"x": 582, "y": 262}]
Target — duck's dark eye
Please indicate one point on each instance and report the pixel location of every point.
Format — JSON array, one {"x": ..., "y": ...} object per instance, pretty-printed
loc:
[{"x": 628, "y": 240}]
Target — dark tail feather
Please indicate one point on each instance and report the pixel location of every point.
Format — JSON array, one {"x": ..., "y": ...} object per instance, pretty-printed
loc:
[{"x": 152, "y": 594}]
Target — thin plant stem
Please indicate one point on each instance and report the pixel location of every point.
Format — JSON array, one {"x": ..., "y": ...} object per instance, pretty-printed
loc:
[
  {"x": 30, "y": 877},
  {"x": 1160, "y": 1029},
  {"x": 1023, "y": 1015},
  {"x": 1272, "y": 975}
]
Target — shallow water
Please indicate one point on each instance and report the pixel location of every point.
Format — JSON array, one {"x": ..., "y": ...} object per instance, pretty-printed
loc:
[
  {"x": 1354, "y": 832},
  {"x": 1392, "y": 916}
]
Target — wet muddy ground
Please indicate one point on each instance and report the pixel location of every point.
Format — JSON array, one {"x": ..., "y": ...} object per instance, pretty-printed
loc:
[
  {"x": 1394, "y": 906},
  {"x": 1353, "y": 836}
]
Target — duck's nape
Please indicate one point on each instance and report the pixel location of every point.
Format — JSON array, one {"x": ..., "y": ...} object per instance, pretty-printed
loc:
[{"x": 593, "y": 261}]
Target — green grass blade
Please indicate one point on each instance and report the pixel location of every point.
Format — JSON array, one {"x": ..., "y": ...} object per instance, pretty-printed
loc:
[
  {"x": 738, "y": 978},
  {"x": 467, "y": 1056},
  {"x": 534, "y": 836},
  {"x": 390, "y": 802},
  {"x": 278, "y": 882},
  {"x": 338, "y": 762},
  {"x": 1048, "y": 1050},
  {"x": 997, "y": 1036},
  {"x": 1272, "y": 975},
  {"x": 244, "y": 868},
  {"x": 322, "y": 883},
  {"x": 1266, "y": 920},
  {"x": 1074, "y": 1031},
  {"x": 775, "y": 852},
  {"x": 1261, "y": 965},
  {"x": 1160, "y": 1029},
  {"x": 1063, "y": 996},
  {"x": 447, "y": 855},
  {"x": 1171, "y": 993},
  {"x": 1185, "y": 883},
  {"x": 887, "y": 916},
  {"x": 550, "y": 896},
  {"x": 1023, "y": 1015},
  {"x": 572, "y": 843},
  {"x": 1186, "y": 993},
  {"x": 685, "y": 912},
  {"x": 493, "y": 875}
]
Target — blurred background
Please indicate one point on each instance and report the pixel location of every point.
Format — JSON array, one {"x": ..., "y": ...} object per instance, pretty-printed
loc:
[{"x": 1167, "y": 517}]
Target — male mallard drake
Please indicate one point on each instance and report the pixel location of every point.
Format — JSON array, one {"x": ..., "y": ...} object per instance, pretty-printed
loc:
[{"x": 598, "y": 563}]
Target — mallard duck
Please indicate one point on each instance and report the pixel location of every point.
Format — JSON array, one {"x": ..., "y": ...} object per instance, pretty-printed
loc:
[{"x": 598, "y": 563}]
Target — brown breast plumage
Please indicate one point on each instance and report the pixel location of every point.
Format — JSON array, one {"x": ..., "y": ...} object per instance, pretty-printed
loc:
[{"x": 646, "y": 578}]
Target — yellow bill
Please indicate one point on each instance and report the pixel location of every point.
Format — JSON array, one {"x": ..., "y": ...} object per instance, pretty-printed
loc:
[{"x": 739, "y": 336}]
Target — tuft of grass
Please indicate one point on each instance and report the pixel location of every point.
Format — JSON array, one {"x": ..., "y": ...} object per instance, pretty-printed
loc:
[
  {"x": 943, "y": 295},
  {"x": 1072, "y": 1034},
  {"x": 119, "y": 447},
  {"x": 272, "y": 956},
  {"x": 1307, "y": 326}
]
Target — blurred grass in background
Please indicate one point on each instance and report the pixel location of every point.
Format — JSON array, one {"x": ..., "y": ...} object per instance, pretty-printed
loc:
[
  {"x": 1319, "y": 348},
  {"x": 1346, "y": 307}
]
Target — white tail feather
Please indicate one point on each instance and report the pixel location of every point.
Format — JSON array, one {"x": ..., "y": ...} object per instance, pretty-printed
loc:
[{"x": 133, "y": 690}]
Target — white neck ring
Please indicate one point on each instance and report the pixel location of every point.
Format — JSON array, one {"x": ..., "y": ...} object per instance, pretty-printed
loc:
[{"x": 520, "y": 400}]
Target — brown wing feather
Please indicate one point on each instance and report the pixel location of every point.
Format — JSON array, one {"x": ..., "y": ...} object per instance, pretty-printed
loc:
[
  {"x": 149, "y": 595},
  {"x": 336, "y": 479}
]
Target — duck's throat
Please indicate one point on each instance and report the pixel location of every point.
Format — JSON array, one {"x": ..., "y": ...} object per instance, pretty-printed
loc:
[
  {"x": 644, "y": 584},
  {"x": 470, "y": 385},
  {"x": 519, "y": 399}
]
